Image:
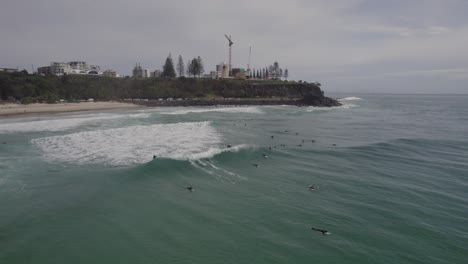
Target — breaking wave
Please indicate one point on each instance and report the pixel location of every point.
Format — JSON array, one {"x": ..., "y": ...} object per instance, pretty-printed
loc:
[
  {"x": 135, "y": 144},
  {"x": 247, "y": 110},
  {"x": 317, "y": 108},
  {"x": 352, "y": 98}
]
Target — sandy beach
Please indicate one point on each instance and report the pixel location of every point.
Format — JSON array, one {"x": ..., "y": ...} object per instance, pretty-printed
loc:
[{"x": 7, "y": 110}]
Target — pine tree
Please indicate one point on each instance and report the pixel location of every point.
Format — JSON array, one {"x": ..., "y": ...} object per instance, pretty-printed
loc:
[
  {"x": 168, "y": 68},
  {"x": 286, "y": 74},
  {"x": 201, "y": 68},
  {"x": 180, "y": 66},
  {"x": 189, "y": 68},
  {"x": 194, "y": 67}
]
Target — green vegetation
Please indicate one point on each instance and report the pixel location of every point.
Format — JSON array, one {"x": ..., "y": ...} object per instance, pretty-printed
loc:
[
  {"x": 195, "y": 67},
  {"x": 168, "y": 68},
  {"x": 180, "y": 66},
  {"x": 27, "y": 88}
]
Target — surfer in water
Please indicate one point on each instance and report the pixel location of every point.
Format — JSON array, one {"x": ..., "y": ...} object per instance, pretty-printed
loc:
[
  {"x": 228, "y": 146},
  {"x": 324, "y": 232},
  {"x": 154, "y": 156},
  {"x": 255, "y": 165},
  {"x": 311, "y": 188},
  {"x": 190, "y": 188},
  {"x": 264, "y": 155}
]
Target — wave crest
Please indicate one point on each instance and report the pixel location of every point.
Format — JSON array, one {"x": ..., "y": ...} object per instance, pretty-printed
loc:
[
  {"x": 247, "y": 110},
  {"x": 352, "y": 98}
]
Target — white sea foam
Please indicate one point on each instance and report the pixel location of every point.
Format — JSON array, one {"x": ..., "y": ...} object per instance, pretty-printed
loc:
[
  {"x": 344, "y": 106},
  {"x": 352, "y": 98},
  {"x": 246, "y": 109},
  {"x": 142, "y": 115},
  {"x": 135, "y": 144},
  {"x": 62, "y": 124}
]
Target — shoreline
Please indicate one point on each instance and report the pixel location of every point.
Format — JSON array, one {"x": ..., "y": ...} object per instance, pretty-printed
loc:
[
  {"x": 16, "y": 110},
  {"x": 238, "y": 102}
]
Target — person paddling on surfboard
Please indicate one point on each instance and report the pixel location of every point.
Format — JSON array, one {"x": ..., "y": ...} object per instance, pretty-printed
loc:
[{"x": 324, "y": 232}]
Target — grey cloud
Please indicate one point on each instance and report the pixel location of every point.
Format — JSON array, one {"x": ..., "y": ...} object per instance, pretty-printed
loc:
[{"x": 317, "y": 40}]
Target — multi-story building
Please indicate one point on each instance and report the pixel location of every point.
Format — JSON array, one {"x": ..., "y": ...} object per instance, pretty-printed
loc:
[
  {"x": 155, "y": 74},
  {"x": 73, "y": 67},
  {"x": 146, "y": 73},
  {"x": 222, "y": 71},
  {"x": 80, "y": 66},
  {"x": 46, "y": 70},
  {"x": 137, "y": 71},
  {"x": 110, "y": 73},
  {"x": 60, "y": 68},
  {"x": 8, "y": 70}
]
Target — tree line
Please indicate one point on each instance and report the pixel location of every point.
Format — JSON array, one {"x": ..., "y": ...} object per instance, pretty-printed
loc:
[
  {"x": 31, "y": 88},
  {"x": 274, "y": 72},
  {"x": 195, "y": 67}
]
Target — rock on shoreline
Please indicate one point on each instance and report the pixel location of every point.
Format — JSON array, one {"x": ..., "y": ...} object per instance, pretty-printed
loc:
[{"x": 306, "y": 101}]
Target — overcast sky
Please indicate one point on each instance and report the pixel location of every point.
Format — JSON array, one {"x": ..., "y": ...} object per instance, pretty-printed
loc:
[{"x": 378, "y": 46}]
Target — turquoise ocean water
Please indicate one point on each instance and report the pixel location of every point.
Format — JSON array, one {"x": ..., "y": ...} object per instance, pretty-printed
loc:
[{"x": 390, "y": 171}]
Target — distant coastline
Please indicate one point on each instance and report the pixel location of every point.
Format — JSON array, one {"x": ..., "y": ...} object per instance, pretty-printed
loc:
[{"x": 29, "y": 89}]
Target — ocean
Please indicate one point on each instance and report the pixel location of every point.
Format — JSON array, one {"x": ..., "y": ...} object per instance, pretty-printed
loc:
[{"x": 390, "y": 174}]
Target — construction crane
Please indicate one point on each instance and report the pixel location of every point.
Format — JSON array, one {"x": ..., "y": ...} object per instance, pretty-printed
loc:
[
  {"x": 250, "y": 55},
  {"x": 230, "y": 52}
]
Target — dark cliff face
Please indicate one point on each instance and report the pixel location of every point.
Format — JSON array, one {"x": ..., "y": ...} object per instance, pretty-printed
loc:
[
  {"x": 311, "y": 99},
  {"x": 311, "y": 94},
  {"x": 259, "y": 93}
]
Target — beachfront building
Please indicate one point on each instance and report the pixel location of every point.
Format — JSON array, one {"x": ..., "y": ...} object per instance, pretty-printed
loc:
[
  {"x": 211, "y": 75},
  {"x": 46, "y": 70},
  {"x": 155, "y": 74},
  {"x": 222, "y": 71},
  {"x": 110, "y": 73},
  {"x": 146, "y": 73},
  {"x": 139, "y": 72},
  {"x": 239, "y": 73},
  {"x": 60, "y": 68},
  {"x": 8, "y": 70},
  {"x": 81, "y": 67},
  {"x": 73, "y": 67}
]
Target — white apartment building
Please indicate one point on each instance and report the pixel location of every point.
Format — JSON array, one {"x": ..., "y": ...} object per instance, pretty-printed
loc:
[
  {"x": 73, "y": 67},
  {"x": 222, "y": 70}
]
